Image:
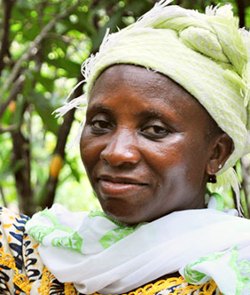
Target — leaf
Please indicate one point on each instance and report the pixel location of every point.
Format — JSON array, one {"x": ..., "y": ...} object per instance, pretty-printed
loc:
[
  {"x": 72, "y": 68},
  {"x": 45, "y": 109},
  {"x": 47, "y": 83},
  {"x": 73, "y": 167}
]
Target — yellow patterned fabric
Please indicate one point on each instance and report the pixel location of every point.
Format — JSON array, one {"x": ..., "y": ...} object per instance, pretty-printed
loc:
[
  {"x": 20, "y": 264},
  {"x": 22, "y": 271},
  {"x": 172, "y": 285}
]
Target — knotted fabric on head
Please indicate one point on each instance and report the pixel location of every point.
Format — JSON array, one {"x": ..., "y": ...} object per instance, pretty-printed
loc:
[{"x": 207, "y": 54}]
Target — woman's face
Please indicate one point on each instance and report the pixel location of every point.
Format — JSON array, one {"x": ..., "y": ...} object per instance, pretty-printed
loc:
[{"x": 145, "y": 145}]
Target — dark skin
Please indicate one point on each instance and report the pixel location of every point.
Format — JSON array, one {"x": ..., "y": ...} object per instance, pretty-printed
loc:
[{"x": 148, "y": 146}]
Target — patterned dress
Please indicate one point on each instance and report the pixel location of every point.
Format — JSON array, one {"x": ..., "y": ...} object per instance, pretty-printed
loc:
[{"x": 22, "y": 271}]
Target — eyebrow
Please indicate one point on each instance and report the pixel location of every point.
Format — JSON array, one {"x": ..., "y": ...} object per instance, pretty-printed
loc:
[
  {"x": 170, "y": 116},
  {"x": 98, "y": 107},
  {"x": 150, "y": 114}
]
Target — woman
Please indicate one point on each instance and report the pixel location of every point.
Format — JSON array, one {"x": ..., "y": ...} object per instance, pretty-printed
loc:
[{"x": 167, "y": 111}]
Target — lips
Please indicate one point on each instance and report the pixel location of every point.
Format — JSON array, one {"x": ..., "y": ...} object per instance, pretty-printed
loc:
[{"x": 119, "y": 186}]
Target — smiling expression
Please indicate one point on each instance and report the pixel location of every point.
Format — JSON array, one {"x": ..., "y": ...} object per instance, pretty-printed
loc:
[{"x": 145, "y": 145}]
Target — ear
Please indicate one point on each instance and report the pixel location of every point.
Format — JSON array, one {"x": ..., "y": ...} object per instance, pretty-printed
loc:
[{"x": 220, "y": 149}]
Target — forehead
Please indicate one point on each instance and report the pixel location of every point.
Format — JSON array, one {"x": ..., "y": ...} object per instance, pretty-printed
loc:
[
  {"x": 146, "y": 88},
  {"x": 138, "y": 79}
]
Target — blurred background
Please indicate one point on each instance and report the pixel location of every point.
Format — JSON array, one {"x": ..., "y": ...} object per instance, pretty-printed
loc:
[{"x": 42, "y": 46}]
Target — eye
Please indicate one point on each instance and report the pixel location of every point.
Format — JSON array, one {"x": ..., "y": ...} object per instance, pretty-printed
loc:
[
  {"x": 155, "y": 130},
  {"x": 100, "y": 124}
]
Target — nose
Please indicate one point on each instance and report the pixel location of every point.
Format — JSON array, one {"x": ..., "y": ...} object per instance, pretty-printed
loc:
[{"x": 122, "y": 149}]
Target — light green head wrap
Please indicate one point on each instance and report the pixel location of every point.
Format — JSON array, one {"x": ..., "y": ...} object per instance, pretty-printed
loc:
[{"x": 205, "y": 53}]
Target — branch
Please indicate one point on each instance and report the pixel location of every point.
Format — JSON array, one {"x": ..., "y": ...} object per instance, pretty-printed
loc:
[
  {"x": 8, "y": 5},
  {"x": 51, "y": 184},
  {"x": 241, "y": 12},
  {"x": 22, "y": 174},
  {"x": 10, "y": 128},
  {"x": 52, "y": 181},
  {"x": 33, "y": 47},
  {"x": 22, "y": 170},
  {"x": 13, "y": 95}
]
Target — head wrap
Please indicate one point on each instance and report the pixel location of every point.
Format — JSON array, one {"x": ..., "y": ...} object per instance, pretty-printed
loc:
[{"x": 207, "y": 54}]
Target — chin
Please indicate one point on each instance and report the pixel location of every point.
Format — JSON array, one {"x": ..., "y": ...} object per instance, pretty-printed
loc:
[{"x": 121, "y": 216}]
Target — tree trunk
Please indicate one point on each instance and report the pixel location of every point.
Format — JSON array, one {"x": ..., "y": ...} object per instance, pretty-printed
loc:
[{"x": 241, "y": 12}]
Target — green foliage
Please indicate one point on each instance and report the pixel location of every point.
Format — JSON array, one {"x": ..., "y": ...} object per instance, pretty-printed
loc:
[
  {"x": 48, "y": 62},
  {"x": 42, "y": 46}
]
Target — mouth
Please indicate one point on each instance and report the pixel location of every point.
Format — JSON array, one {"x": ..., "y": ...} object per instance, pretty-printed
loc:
[{"x": 119, "y": 186}]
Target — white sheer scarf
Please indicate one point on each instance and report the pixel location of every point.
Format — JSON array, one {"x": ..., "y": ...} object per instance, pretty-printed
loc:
[{"x": 186, "y": 241}]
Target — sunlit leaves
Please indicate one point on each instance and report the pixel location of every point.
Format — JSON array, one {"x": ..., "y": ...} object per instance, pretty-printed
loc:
[{"x": 50, "y": 74}]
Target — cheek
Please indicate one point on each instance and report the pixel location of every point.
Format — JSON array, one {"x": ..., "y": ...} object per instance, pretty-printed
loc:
[
  {"x": 191, "y": 169},
  {"x": 178, "y": 164},
  {"x": 165, "y": 159},
  {"x": 90, "y": 149}
]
